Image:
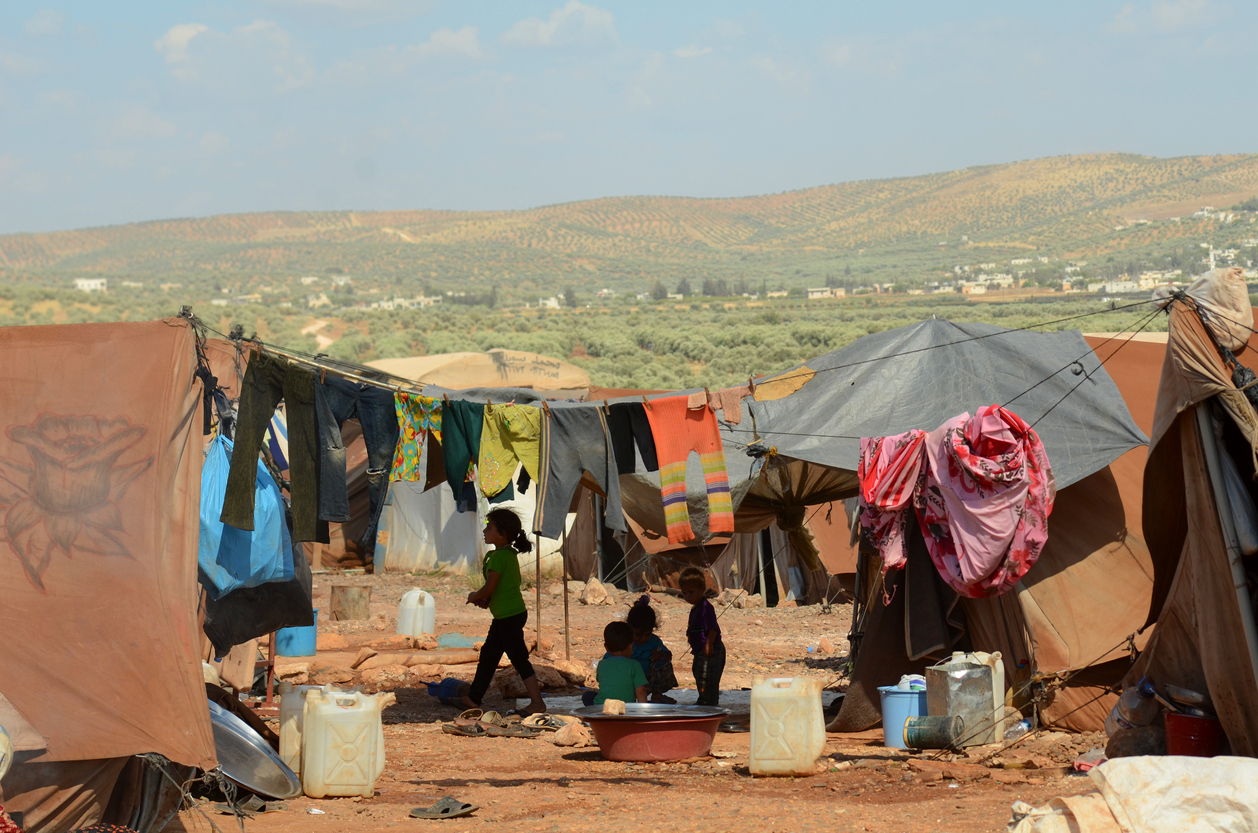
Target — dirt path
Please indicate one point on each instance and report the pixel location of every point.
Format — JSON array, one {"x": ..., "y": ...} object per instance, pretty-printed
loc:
[{"x": 536, "y": 786}]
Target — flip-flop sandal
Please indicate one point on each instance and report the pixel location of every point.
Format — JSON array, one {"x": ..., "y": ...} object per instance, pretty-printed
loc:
[
  {"x": 492, "y": 718},
  {"x": 524, "y": 713},
  {"x": 513, "y": 731},
  {"x": 469, "y": 730},
  {"x": 548, "y": 722},
  {"x": 447, "y": 808}
]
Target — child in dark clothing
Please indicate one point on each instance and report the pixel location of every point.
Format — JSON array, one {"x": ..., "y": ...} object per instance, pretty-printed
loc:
[
  {"x": 649, "y": 650},
  {"x": 704, "y": 635}
]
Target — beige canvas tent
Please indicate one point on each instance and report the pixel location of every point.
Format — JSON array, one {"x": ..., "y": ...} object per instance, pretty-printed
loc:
[
  {"x": 1199, "y": 519},
  {"x": 100, "y": 467},
  {"x": 492, "y": 369}
]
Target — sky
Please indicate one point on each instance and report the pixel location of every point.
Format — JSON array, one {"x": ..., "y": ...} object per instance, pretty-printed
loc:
[{"x": 150, "y": 109}]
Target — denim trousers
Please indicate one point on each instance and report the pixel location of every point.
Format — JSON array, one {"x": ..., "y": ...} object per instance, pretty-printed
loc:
[
  {"x": 267, "y": 381},
  {"x": 337, "y": 400}
]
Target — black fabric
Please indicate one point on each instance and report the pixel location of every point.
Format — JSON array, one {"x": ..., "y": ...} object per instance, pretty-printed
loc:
[
  {"x": 627, "y": 424},
  {"x": 505, "y": 636},
  {"x": 932, "y": 619},
  {"x": 707, "y": 672},
  {"x": 251, "y": 612},
  {"x": 266, "y": 382}
]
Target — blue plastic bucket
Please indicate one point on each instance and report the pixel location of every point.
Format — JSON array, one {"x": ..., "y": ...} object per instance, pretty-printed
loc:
[
  {"x": 298, "y": 642},
  {"x": 898, "y": 705}
]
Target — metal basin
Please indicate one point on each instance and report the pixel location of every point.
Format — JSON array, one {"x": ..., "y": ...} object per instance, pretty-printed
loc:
[
  {"x": 654, "y": 731},
  {"x": 249, "y": 760}
]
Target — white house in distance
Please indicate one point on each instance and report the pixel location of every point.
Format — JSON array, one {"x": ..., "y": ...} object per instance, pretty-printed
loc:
[
  {"x": 90, "y": 284},
  {"x": 826, "y": 292}
]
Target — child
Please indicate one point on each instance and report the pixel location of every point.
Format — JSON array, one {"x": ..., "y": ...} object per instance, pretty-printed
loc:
[
  {"x": 704, "y": 636},
  {"x": 648, "y": 649},
  {"x": 501, "y": 594},
  {"x": 620, "y": 677}
]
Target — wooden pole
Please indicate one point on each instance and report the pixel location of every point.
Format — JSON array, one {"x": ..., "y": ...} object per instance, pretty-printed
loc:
[
  {"x": 563, "y": 551},
  {"x": 537, "y": 625}
]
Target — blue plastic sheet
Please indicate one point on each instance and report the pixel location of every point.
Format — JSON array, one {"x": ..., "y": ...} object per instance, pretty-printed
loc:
[{"x": 229, "y": 558}]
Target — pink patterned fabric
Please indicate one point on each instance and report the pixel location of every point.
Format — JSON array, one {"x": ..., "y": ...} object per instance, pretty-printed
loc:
[{"x": 981, "y": 488}]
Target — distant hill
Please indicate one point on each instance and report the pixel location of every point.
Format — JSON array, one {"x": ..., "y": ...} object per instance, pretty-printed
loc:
[{"x": 1063, "y": 205}]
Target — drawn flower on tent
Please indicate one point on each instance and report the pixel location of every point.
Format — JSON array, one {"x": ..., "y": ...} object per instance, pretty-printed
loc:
[{"x": 66, "y": 497}]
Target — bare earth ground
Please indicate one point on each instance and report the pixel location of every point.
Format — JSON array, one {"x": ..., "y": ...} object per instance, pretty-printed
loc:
[{"x": 533, "y": 785}]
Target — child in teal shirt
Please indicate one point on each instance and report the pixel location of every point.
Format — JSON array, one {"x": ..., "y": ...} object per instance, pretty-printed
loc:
[{"x": 620, "y": 677}]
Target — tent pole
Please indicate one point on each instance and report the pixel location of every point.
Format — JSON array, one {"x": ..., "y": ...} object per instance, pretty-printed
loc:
[
  {"x": 563, "y": 551},
  {"x": 764, "y": 594},
  {"x": 537, "y": 624}
]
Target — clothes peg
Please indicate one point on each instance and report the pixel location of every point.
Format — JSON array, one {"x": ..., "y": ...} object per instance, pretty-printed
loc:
[
  {"x": 546, "y": 407},
  {"x": 707, "y": 397},
  {"x": 751, "y": 383},
  {"x": 645, "y": 402},
  {"x": 323, "y": 375}
]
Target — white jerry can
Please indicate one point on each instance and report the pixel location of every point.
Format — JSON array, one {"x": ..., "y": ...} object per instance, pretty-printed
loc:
[
  {"x": 416, "y": 614},
  {"x": 342, "y": 749},
  {"x": 788, "y": 730}
]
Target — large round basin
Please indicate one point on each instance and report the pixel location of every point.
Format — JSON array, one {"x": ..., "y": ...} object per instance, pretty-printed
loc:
[{"x": 654, "y": 731}]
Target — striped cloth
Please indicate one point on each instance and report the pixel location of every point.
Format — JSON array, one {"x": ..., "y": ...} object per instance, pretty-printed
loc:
[{"x": 679, "y": 430}]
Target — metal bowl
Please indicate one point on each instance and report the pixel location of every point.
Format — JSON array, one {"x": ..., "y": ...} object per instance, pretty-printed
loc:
[
  {"x": 651, "y": 711},
  {"x": 247, "y": 759}
]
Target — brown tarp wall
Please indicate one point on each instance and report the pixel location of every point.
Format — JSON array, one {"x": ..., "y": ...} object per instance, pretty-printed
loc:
[
  {"x": 1199, "y": 640},
  {"x": 100, "y": 469}
]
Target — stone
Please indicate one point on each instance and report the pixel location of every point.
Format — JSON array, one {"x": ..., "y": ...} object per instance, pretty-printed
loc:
[
  {"x": 574, "y": 735},
  {"x": 576, "y": 588},
  {"x": 555, "y": 589},
  {"x": 727, "y": 597},
  {"x": 1141, "y": 740},
  {"x": 364, "y": 654},
  {"x": 749, "y": 602},
  {"x": 381, "y": 660},
  {"x": 788, "y": 603},
  {"x": 332, "y": 675},
  {"x": 331, "y": 642},
  {"x": 594, "y": 593},
  {"x": 297, "y": 673},
  {"x": 824, "y": 647},
  {"x": 397, "y": 642},
  {"x": 549, "y": 677},
  {"x": 613, "y": 595},
  {"x": 424, "y": 642},
  {"x": 574, "y": 673},
  {"x": 387, "y": 677},
  {"x": 426, "y": 673},
  {"x": 545, "y": 645},
  {"x": 613, "y": 706}
]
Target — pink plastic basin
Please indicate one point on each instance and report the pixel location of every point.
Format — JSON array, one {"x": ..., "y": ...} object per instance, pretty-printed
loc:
[{"x": 645, "y": 739}]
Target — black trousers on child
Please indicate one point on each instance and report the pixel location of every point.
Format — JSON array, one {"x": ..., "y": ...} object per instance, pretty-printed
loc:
[
  {"x": 707, "y": 671},
  {"x": 505, "y": 636}
]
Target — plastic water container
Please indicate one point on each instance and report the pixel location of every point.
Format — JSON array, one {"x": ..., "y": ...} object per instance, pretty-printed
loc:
[
  {"x": 342, "y": 750},
  {"x": 298, "y": 642},
  {"x": 417, "y": 614},
  {"x": 788, "y": 730},
  {"x": 898, "y": 706},
  {"x": 292, "y": 720}
]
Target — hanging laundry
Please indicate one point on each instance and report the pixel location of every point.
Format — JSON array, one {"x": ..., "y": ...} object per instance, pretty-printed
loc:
[
  {"x": 981, "y": 488},
  {"x": 574, "y": 442},
  {"x": 338, "y": 400},
  {"x": 268, "y": 380},
  {"x": 417, "y": 417},
  {"x": 678, "y": 430},
  {"x": 627, "y": 425},
  {"x": 229, "y": 558},
  {"x": 729, "y": 401},
  {"x": 511, "y": 435},
  {"x": 461, "y": 426}
]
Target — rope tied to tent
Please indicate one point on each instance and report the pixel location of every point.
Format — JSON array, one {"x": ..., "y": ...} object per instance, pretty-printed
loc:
[{"x": 212, "y": 778}]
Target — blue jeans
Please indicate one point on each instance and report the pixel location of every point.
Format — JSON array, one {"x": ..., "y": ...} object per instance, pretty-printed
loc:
[{"x": 337, "y": 400}]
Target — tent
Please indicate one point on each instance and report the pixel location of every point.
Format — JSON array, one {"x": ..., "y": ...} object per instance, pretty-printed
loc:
[
  {"x": 100, "y": 466},
  {"x": 1200, "y": 521}
]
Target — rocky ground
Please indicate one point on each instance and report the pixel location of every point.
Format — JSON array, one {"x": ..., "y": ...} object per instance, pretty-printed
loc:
[{"x": 858, "y": 784}]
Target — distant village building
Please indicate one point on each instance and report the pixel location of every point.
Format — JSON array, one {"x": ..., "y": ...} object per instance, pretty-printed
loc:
[
  {"x": 548, "y": 303},
  {"x": 606, "y": 293},
  {"x": 1114, "y": 287},
  {"x": 320, "y": 300},
  {"x": 825, "y": 292},
  {"x": 310, "y": 279},
  {"x": 973, "y": 288},
  {"x": 90, "y": 284},
  {"x": 772, "y": 293},
  {"x": 341, "y": 280},
  {"x": 133, "y": 284},
  {"x": 398, "y": 302}
]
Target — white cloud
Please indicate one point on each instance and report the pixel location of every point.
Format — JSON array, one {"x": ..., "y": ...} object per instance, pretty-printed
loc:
[
  {"x": 694, "y": 50},
  {"x": 575, "y": 23},
  {"x": 1173, "y": 15},
  {"x": 45, "y": 22},
  {"x": 138, "y": 122},
  {"x": 174, "y": 44},
  {"x": 443, "y": 42},
  {"x": 773, "y": 69},
  {"x": 729, "y": 29},
  {"x": 1126, "y": 21},
  {"x": 212, "y": 144},
  {"x": 196, "y": 52},
  {"x": 838, "y": 53},
  {"x": 16, "y": 64}
]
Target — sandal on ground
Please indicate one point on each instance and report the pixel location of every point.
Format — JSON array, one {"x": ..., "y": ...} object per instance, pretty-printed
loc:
[
  {"x": 547, "y": 722},
  {"x": 447, "y": 808},
  {"x": 513, "y": 730},
  {"x": 526, "y": 713},
  {"x": 467, "y": 730}
]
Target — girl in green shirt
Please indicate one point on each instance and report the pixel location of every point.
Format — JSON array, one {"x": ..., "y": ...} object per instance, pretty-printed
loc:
[{"x": 501, "y": 594}]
